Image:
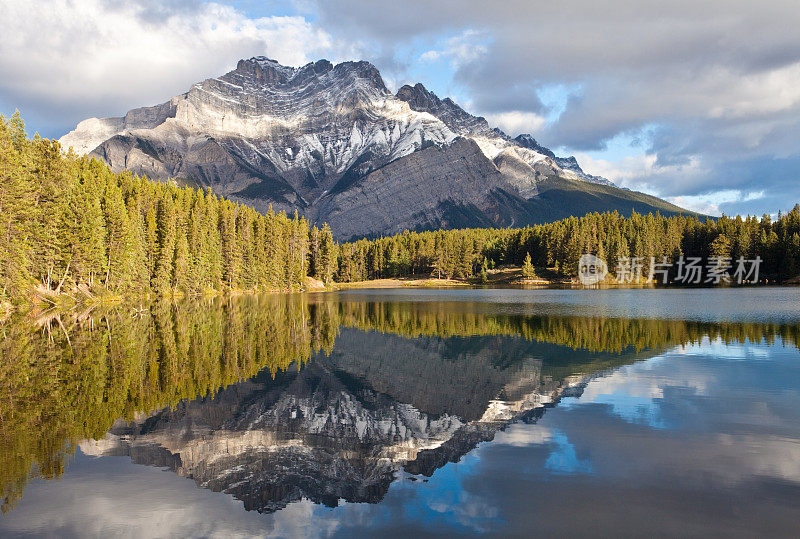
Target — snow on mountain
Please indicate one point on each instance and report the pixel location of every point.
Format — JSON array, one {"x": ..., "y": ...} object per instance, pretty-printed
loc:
[{"x": 319, "y": 139}]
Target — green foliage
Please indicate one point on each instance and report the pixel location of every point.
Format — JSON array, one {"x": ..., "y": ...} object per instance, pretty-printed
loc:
[
  {"x": 483, "y": 276},
  {"x": 559, "y": 245},
  {"x": 720, "y": 247},
  {"x": 527, "y": 267},
  {"x": 69, "y": 225},
  {"x": 323, "y": 254}
]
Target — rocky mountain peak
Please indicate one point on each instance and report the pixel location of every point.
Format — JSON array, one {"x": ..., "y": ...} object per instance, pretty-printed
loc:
[
  {"x": 527, "y": 141},
  {"x": 419, "y": 98},
  {"x": 569, "y": 163},
  {"x": 263, "y": 71},
  {"x": 260, "y": 71},
  {"x": 366, "y": 71}
]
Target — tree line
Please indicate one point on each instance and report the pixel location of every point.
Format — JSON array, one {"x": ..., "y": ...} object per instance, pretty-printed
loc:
[
  {"x": 558, "y": 246},
  {"x": 596, "y": 334},
  {"x": 68, "y": 225}
]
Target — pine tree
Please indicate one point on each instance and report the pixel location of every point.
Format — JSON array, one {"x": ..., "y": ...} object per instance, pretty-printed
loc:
[
  {"x": 119, "y": 239},
  {"x": 84, "y": 233},
  {"x": 314, "y": 266},
  {"x": 484, "y": 274},
  {"x": 162, "y": 277},
  {"x": 327, "y": 254},
  {"x": 720, "y": 247},
  {"x": 527, "y": 268},
  {"x": 181, "y": 278},
  {"x": 231, "y": 254},
  {"x": 16, "y": 201}
]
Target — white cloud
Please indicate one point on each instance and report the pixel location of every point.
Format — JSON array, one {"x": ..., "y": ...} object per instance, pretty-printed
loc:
[
  {"x": 640, "y": 171},
  {"x": 696, "y": 203},
  {"x": 430, "y": 56},
  {"x": 516, "y": 121},
  {"x": 465, "y": 47},
  {"x": 765, "y": 92},
  {"x": 710, "y": 203},
  {"x": 92, "y": 58}
]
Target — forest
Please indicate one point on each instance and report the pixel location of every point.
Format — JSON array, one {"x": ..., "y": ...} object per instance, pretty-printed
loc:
[
  {"x": 557, "y": 246},
  {"x": 71, "y": 228}
]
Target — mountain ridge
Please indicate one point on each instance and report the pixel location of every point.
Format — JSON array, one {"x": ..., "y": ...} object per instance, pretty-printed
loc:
[{"x": 334, "y": 143}]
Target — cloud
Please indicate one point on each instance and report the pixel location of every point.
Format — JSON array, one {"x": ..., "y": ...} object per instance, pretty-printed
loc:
[
  {"x": 80, "y": 59},
  {"x": 430, "y": 56},
  {"x": 711, "y": 203},
  {"x": 642, "y": 172},
  {"x": 720, "y": 79},
  {"x": 460, "y": 49},
  {"x": 515, "y": 122},
  {"x": 692, "y": 184}
]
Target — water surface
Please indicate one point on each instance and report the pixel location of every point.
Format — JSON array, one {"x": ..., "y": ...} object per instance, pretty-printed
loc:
[{"x": 507, "y": 412}]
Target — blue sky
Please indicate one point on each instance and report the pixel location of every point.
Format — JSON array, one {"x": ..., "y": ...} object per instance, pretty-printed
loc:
[{"x": 699, "y": 104}]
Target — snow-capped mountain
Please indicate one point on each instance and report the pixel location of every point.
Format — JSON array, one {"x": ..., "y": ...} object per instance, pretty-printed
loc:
[{"x": 334, "y": 143}]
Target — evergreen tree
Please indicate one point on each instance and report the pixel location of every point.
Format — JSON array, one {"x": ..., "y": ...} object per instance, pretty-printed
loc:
[
  {"x": 327, "y": 254},
  {"x": 484, "y": 274},
  {"x": 527, "y": 268},
  {"x": 162, "y": 277}
]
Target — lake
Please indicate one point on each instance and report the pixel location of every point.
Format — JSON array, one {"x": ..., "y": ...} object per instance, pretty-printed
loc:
[{"x": 407, "y": 412}]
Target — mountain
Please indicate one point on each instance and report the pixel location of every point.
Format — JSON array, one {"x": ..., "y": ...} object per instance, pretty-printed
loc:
[{"x": 332, "y": 142}]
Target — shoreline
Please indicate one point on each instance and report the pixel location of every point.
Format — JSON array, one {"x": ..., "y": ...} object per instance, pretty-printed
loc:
[
  {"x": 312, "y": 285},
  {"x": 433, "y": 282},
  {"x": 510, "y": 276}
]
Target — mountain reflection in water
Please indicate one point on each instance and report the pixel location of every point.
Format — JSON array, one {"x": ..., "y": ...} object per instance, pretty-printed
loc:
[{"x": 273, "y": 399}]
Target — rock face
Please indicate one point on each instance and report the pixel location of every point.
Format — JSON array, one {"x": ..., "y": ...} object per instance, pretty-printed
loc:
[{"x": 334, "y": 143}]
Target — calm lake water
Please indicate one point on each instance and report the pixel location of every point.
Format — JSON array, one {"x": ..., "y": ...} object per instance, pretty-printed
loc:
[{"x": 408, "y": 412}]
